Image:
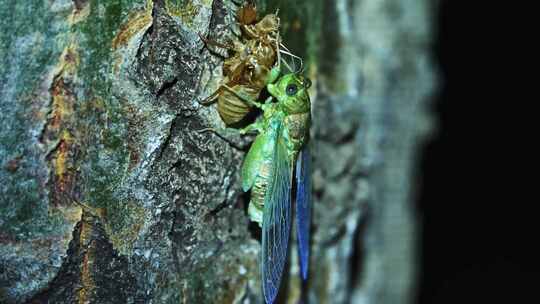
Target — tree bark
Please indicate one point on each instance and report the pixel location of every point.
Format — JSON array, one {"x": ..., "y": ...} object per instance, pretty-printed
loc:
[{"x": 109, "y": 192}]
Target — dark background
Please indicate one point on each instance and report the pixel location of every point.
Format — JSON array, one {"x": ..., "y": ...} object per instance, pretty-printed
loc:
[{"x": 478, "y": 239}]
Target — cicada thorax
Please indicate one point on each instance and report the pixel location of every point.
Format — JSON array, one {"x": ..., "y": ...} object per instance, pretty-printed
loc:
[
  {"x": 250, "y": 63},
  {"x": 236, "y": 64},
  {"x": 265, "y": 53}
]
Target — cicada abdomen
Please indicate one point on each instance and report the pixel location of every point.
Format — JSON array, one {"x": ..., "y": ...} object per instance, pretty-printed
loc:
[{"x": 231, "y": 108}]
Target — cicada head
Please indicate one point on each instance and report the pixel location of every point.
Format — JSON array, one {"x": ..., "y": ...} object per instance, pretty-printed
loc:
[{"x": 291, "y": 91}]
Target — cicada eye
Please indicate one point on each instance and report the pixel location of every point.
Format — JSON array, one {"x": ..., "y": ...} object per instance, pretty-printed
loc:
[
  {"x": 291, "y": 89},
  {"x": 307, "y": 83}
]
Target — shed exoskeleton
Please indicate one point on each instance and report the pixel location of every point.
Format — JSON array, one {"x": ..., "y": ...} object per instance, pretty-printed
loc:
[{"x": 248, "y": 70}]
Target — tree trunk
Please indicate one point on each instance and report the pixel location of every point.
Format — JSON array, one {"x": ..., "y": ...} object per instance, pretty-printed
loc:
[{"x": 111, "y": 194}]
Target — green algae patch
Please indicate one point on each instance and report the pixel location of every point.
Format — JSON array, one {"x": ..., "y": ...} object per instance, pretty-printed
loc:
[
  {"x": 186, "y": 10},
  {"x": 108, "y": 25},
  {"x": 136, "y": 22},
  {"x": 125, "y": 219}
]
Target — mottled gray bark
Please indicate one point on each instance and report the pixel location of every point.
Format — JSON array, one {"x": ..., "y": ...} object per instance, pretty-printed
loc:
[{"x": 98, "y": 103}]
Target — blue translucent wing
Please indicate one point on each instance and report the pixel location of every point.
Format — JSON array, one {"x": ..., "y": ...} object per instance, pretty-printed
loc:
[
  {"x": 276, "y": 221},
  {"x": 303, "y": 208}
]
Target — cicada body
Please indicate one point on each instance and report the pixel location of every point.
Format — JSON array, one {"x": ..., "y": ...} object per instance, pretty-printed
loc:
[
  {"x": 246, "y": 77},
  {"x": 248, "y": 70},
  {"x": 278, "y": 153}
]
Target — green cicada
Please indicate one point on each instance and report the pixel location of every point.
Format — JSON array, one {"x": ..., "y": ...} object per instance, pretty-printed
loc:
[{"x": 278, "y": 154}]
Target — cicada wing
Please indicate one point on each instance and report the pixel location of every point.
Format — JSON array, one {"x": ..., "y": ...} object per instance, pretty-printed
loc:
[
  {"x": 276, "y": 222},
  {"x": 303, "y": 208}
]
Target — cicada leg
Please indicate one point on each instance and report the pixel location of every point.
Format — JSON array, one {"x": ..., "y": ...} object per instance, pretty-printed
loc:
[
  {"x": 255, "y": 212},
  {"x": 231, "y": 46},
  {"x": 252, "y": 128},
  {"x": 234, "y": 136},
  {"x": 273, "y": 75},
  {"x": 215, "y": 43},
  {"x": 212, "y": 98},
  {"x": 248, "y": 31},
  {"x": 244, "y": 98},
  {"x": 255, "y": 127}
]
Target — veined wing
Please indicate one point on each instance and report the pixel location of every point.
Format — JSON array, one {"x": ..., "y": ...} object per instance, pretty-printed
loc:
[
  {"x": 303, "y": 208},
  {"x": 276, "y": 220}
]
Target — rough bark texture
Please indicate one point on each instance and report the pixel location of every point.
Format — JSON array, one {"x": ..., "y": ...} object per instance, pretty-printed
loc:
[{"x": 98, "y": 103}]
